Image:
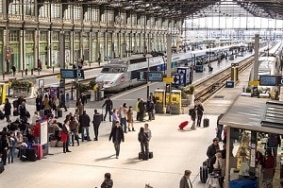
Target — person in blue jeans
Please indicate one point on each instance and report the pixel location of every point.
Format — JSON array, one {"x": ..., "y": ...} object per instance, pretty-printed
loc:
[
  {"x": 84, "y": 120},
  {"x": 12, "y": 147},
  {"x": 123, "y": 117}
]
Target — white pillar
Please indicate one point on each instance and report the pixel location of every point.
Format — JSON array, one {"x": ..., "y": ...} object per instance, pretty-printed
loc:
[
  {"x": 256, "y": 65},
  {"x": 169, "y": 55}
]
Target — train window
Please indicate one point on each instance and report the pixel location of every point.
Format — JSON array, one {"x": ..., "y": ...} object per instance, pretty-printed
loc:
[{"x": 105, "y": 69}]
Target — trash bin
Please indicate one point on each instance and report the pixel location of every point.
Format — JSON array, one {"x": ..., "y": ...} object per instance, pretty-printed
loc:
[
  {"x": 159, "y": 95},
  {"x": 175, "y": 102},
  {"x": 255, "y": 92}
]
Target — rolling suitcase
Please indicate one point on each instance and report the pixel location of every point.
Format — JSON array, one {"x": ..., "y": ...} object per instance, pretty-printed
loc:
[
  {"x": 204, "y": 171},
  {"x": 183, "y": 124},
  {"x": 142, "y": 156},
  {"x": 31, "y": 154},
  {"x": 150, "y": 154},
  {"x": 205, "y": 122},
  {"x": 22, "y": 153},
  {"x": 39, "y": 151},
  {"x": 60, "y": 113}
]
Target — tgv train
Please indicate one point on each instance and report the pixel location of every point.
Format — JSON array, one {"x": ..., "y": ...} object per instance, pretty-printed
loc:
[
  {"x": 269, "y": 64},
  {"x": 123, "y": 73}
]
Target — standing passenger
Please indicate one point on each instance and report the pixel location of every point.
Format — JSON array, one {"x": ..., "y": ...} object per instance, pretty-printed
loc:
[{"x": 199, "y": 109}]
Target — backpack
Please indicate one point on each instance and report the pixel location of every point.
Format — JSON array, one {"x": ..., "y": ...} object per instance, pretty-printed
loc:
[{"x": 191, "y": 111}]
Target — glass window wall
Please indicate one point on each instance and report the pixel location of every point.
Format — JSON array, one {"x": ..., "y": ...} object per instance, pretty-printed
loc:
[
  {"x": 29, "y": 7},
  {"x": 55, "y": 10},
  {"x": 44, "y": 11},
  {"x": 77, "y": 13},
  {"x": 15, "y": 8}
]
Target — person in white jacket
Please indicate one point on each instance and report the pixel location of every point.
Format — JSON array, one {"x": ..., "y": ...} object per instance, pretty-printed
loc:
[{"x": 219, "y": 166}]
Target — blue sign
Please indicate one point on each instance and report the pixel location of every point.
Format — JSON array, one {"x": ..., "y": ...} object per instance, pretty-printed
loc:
[{"x": 72, "y": 73}]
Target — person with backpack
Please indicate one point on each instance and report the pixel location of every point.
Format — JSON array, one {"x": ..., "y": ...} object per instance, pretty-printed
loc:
[
  {"x": 199, "y": 109},
  {"x": 192, "y": 114}
]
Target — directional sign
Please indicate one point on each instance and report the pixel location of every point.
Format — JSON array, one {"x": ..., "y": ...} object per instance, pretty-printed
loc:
[{"x": 168, "y": 80}]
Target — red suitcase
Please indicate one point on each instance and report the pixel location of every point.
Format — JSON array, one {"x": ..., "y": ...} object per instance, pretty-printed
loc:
[
  {"x": 39, "y": 151},
  {"x": 183, "y": 124}
]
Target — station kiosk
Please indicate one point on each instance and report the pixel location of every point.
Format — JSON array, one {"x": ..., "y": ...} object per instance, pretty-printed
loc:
[
  {"x": 159, "y": 94},
  {"x": 3, "y": 92},
  {"x": 175, "y": 102}
]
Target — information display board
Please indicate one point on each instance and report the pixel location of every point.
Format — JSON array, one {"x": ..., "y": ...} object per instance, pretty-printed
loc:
[
  {"x": 72, "y": 73},
  {"x": 267, "y": 80},
  {"x": 151, "y": 76}
]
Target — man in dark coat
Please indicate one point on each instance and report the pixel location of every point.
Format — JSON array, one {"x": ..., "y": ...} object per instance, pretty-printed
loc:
[
  {"x": 192, "y": 114},
  {"x": 96, "y": 123},
  {"x": 142, "y": 109},
  {"x": 84, "y": 120},
  {"x": 211, "y": 151},
  {"x": 108, "y": 108},
  {"x": 117, "y": 135},
  {"x": 185, "y": 181}
]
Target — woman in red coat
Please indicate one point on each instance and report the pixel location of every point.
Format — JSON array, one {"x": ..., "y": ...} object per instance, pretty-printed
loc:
[{"x": 65, "y": 135}]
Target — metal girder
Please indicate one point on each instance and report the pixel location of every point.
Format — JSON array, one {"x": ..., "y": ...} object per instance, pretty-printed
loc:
[{"x": 181, "y": 9}]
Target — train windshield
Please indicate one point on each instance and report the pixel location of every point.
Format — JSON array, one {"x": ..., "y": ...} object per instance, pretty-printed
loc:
[{"x": 113, "y": 70}]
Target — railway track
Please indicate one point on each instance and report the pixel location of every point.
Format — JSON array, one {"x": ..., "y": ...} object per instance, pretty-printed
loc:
[{"x": 207, "y": 87}]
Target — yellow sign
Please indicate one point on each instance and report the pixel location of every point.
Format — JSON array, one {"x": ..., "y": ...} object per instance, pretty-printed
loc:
[
  {"x": 168, "y": 79},
  {"x": 254, "y": 83}
]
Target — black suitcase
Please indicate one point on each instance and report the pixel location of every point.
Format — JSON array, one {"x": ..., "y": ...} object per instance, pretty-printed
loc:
[
  {"x": 31, "y": 154},
  {"x": 204, "y": 171},
  {"x": 60, "y": 113},
  {"x": 15, "y": 112},
  {"x": 142, "y": 156},
  {"x": 150, "y": 155},
  {"x": 22, "y": 154},
  {"x": 205, "y": 122}
]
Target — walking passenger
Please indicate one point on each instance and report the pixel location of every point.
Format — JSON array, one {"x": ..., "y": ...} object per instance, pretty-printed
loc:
[
  {"x": 108, "y": 108},
  {"x": 115, "y": 117},
  {"x": 117, "y": 136},
  {"x": 96, "y": 123}
]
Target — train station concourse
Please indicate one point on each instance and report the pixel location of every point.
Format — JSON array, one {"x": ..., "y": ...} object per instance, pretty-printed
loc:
[{"x": 107, "y": 49}]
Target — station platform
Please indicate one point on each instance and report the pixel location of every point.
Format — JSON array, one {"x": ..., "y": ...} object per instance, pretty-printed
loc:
[
  {"x": 44, "y": 72},
  {"x": 174, "y": 151}
]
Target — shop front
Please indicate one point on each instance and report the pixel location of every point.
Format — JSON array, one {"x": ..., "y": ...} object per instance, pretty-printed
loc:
[{"x": 253, "y": 131}]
